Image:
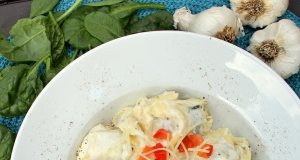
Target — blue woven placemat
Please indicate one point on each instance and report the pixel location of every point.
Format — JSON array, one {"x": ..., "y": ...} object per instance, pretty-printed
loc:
[{"x": 195, "y": 6}]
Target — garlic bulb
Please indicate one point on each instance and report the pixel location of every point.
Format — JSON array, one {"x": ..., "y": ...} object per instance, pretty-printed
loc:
[
  {"x": 219, "y": 22},
  {"x": 259, "y": 13},
  {"x": 278, "y": 45}
]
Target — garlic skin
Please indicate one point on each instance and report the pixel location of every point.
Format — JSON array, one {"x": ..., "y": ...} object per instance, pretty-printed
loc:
[
  {"x": 219, "y": 22},
  {"x": 259, "y": 13},
  {"x": 278, "y": 45}
]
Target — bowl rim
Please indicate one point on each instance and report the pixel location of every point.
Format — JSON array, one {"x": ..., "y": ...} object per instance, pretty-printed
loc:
[{"x": 91, "y": 52}]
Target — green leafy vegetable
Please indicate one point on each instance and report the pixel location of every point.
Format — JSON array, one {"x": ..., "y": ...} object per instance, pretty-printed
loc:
[
  {"x": 55, "y": 36},
  {"x": 104, "y": 3},
  {"x": 69, "y": 11},
  {"x": 195, "y": 107},
  {"x": 57, "y": 14},
  {"x": 157, "y": 21},
  {"x": 7, "y": 139},
  {"x": 41, "y": 39},
  {"x": 54, "y": 67},
  {"x": 127, "y": 8},
  {"x": 124, "y": 21},
  {"x": 103, "y": 26},
  {"x": 39, "y": 7},
  {"x": 74, "y": 30},
  {"x": 4, "y": 44},
  {"x": 131, "y": 21},
  {"x": 30, "y": 41},
  {"x": 19, "y": 86}
]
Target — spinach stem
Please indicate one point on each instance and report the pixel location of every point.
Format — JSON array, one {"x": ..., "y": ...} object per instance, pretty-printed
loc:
[
  {"x": 89, "y": 46},
  {"x": 74, "y": 54},
  {"x": 52, "y": 18},
  {"x": 48, "y": 64},
  {"x": 69, "y": 11},
  {"x": 123, "y": 11},
  {"x": 80, "y": 53},
  {"x": 35, "y": 67}
]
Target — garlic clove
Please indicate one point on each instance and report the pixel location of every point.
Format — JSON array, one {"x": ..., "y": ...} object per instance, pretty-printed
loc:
[
  {"x": 278, "y": 45},
  {"x": 219, "y": 22},
  {"x": 280, "y": 6},
  {"x": 259, "y": 13},
  {"x": 182, "y": 18},
  {"x": 286, "y": 70}
]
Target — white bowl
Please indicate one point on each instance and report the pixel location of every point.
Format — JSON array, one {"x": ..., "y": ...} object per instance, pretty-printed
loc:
[{"x": 243, "y": 93}]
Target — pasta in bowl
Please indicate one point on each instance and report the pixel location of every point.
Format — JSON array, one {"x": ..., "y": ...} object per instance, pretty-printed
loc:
[{"x": 163, "y": 127}]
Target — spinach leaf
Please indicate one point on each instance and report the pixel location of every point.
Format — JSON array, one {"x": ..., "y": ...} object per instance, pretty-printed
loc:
[
  {"x": 54, "y": 67},
  {"x": 83, "y": 11},
  {"x": 103, "y": 26},
  {"x": 195, "y": 107},
  {"x": 124, "y": 21},
  {"x": 19, "y": 86},
  {"x": 157, "y": 21},
  {"x": 7, "y": 138},
  {"x": 39, "y": 7},
  {"x": 4, "y": 44},
  {"x": 30, "y": 42},
  {"x": 131, "y": 21},
  {"x": 53, "y": 33},
  {"x": 104, "y": 3},
  {"x": 127, "y": 8},
  {"x": 74, "y": 30},
  {"x": 55, "y": 36},
  {"x": 56, "y": 15}
]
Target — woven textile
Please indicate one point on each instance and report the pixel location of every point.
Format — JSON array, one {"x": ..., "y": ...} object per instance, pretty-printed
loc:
[{"x": 195, "y": 6}]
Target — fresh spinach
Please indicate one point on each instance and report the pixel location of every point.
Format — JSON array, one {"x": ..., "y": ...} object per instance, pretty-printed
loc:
[
  {"x": 30, "y": 41},
  {"x": 55, "y": 36},
  {"x": 41, "y": 39},
  {"x": 39, "y": 7},
  {"x": 7, "y": 138},
  {"x": 124, "y": 21},
  {"x": 125, "y": 9},
  {"x": 69, "y": 11},
  {"x": 57, "y": 14},
  {"x": 4, "y": 44},
  {"x": 104, "y": 3},
  {"x": 162, "y": 20},
  {"x": 19, "y": 86},
  {"x": 83, "y": 11},
  {"x": 54, "y": 67},
  {"x": 195, "y": 107},
  {"x": 131, "y": 21},
  {"x": 74, "y": 30},
  {"x": 103, "y": 26}
]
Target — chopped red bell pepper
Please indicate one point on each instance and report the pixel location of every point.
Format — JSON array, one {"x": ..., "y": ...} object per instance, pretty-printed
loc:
[
  {"x": 208, "y": 147},
  {"x": 197, "y": 139},
  {"x": 194, "y": 140},
  {"x": 160, "y": 154},
  {"x": 187, "y": 143},
  {"x": 163, "y": 134},
  {"x": 145, "y": 150}
]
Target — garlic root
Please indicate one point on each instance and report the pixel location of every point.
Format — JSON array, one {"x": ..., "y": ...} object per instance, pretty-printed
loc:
[{"x": 259, "y": 13}]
